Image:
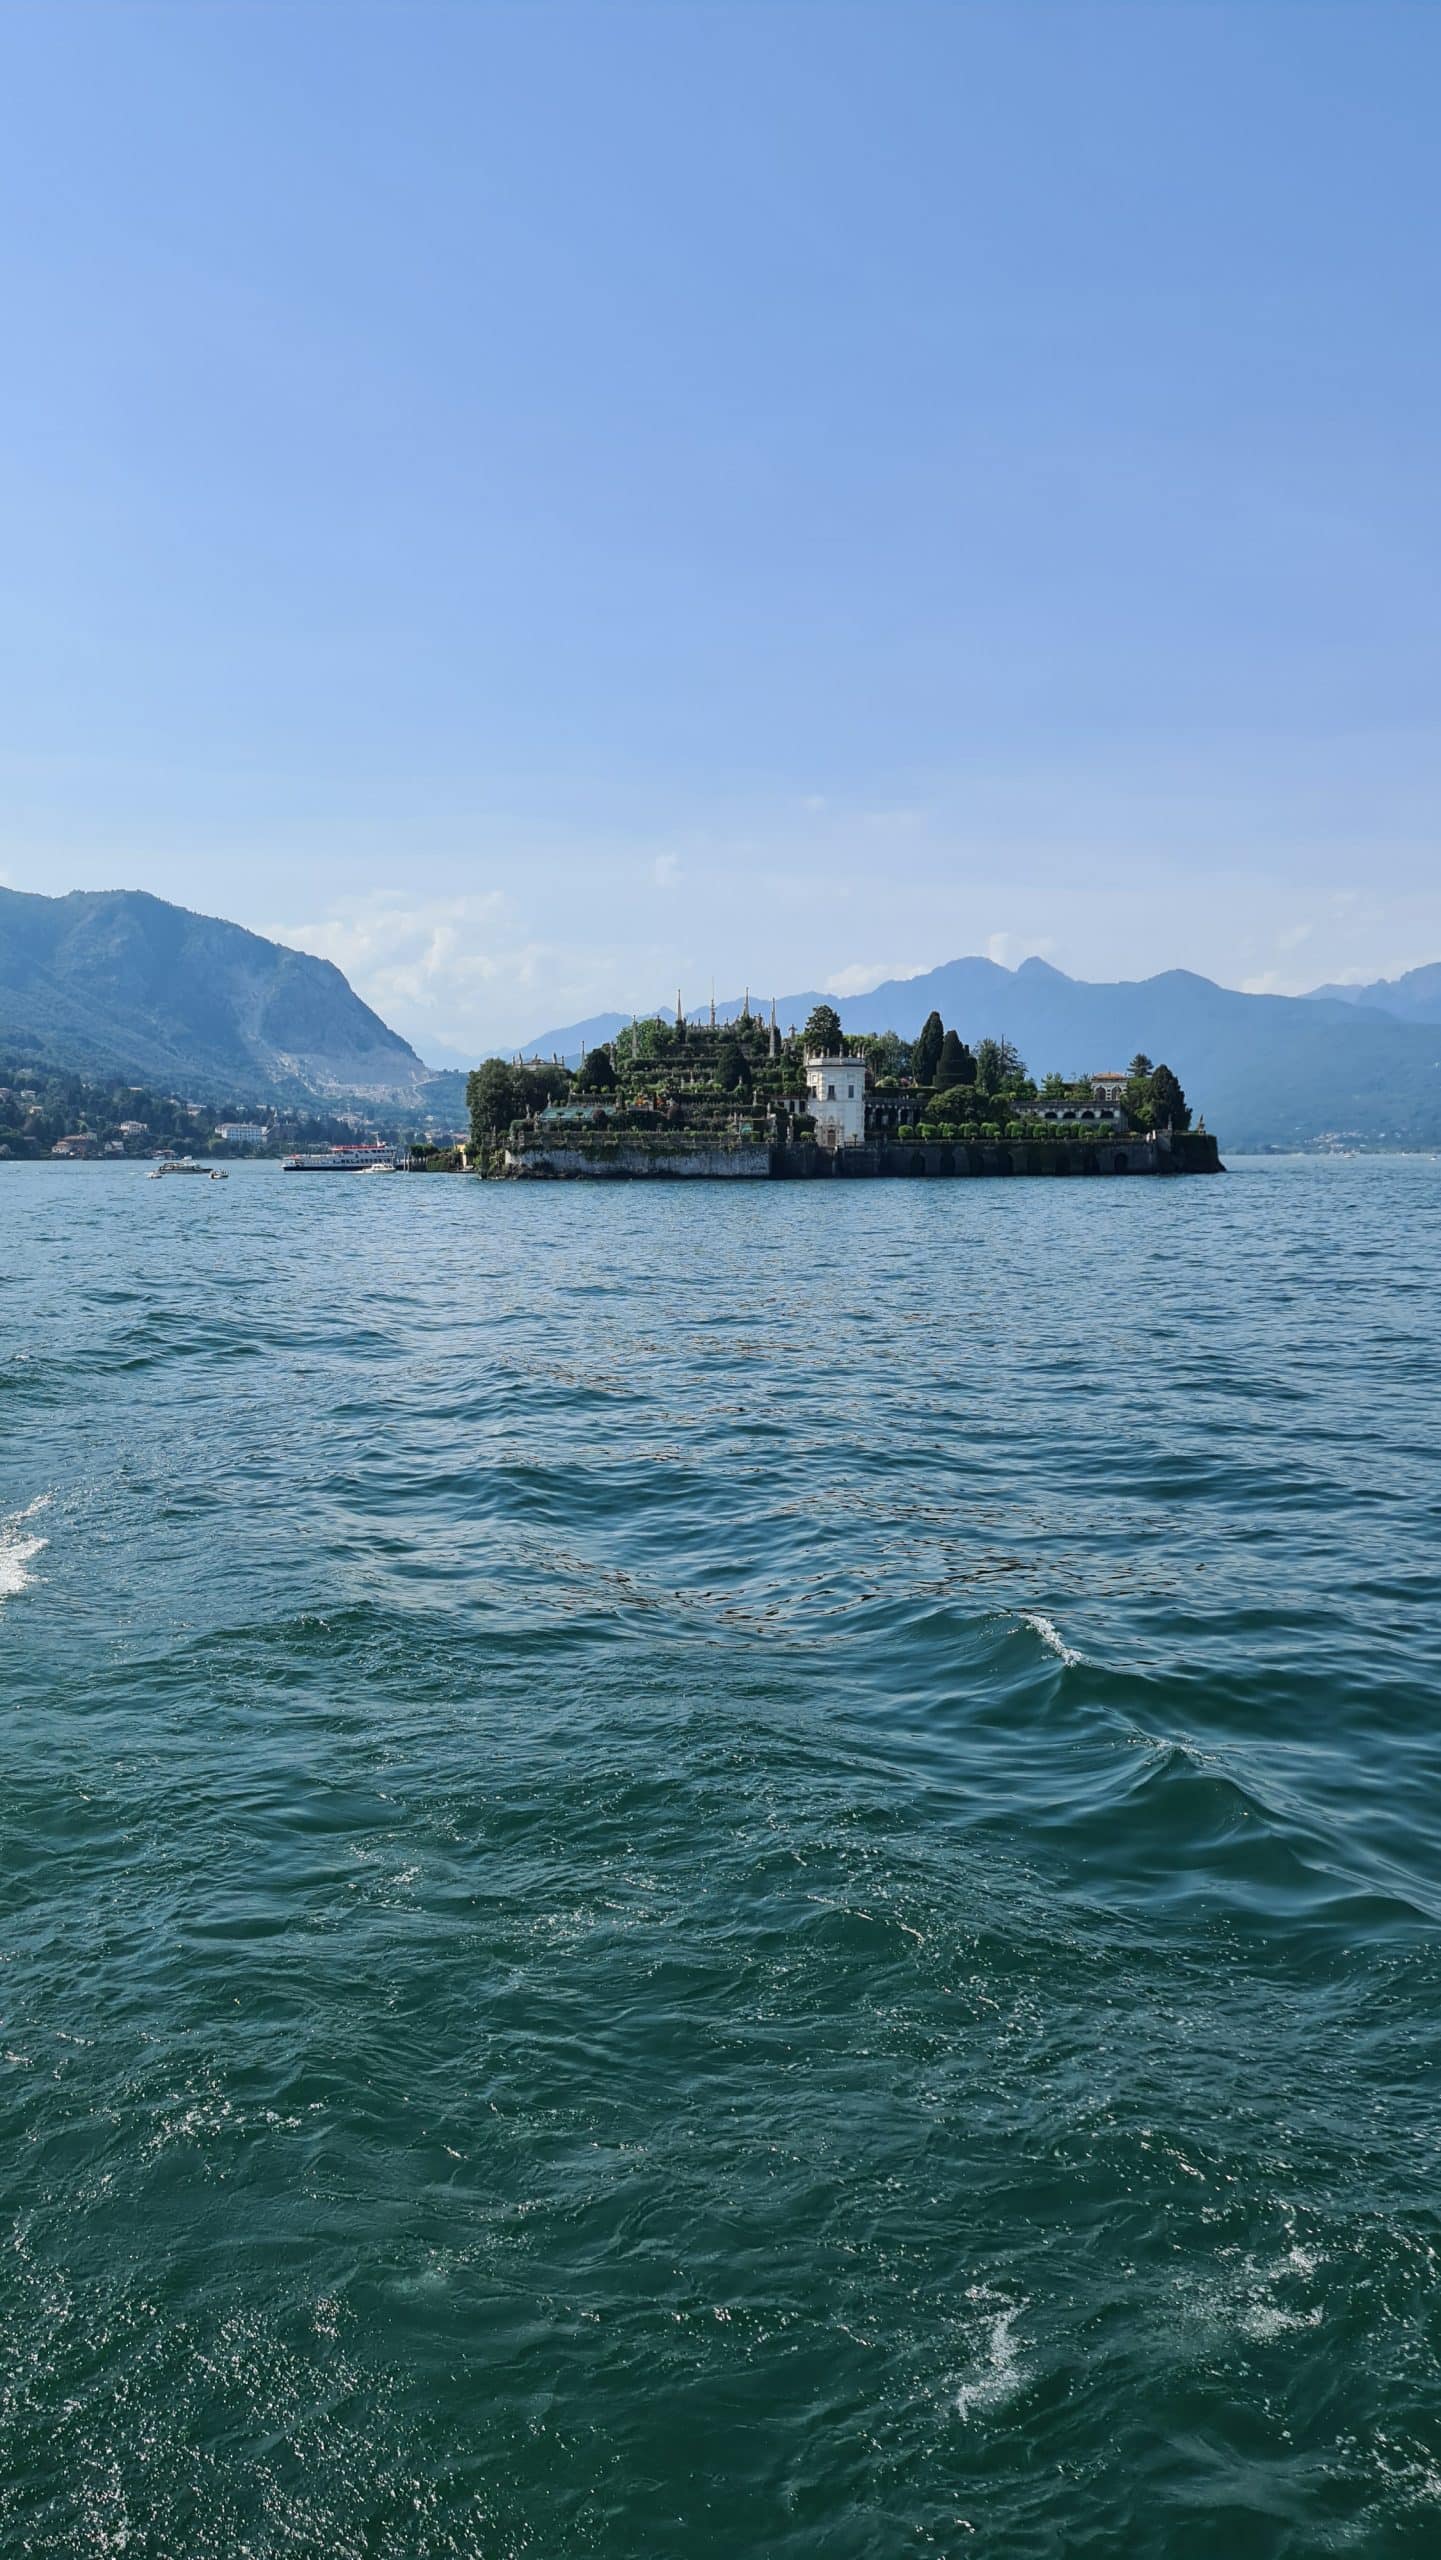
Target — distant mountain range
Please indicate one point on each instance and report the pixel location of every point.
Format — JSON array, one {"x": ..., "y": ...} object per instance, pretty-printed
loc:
[
  {"x": 115, "y": 982},
  {"x": 1416, "y": 997},
  {"x": 1267, "y": 1071}
]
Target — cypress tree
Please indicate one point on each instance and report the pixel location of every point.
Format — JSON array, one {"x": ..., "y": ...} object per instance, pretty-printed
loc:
[
  {"x": 955, "y": 1064},
  {"x": 1169, "y": 1107},
  {"x": 732, "y": 1072},
  {"x": 926, "y": 1055}
]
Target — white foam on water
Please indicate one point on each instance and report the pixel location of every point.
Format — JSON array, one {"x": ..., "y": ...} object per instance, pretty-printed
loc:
[
  {"x": 1264, "y": 2319},
  {"x": 1050, "y": 1634},
  {"x": 19, "y": 1547},
  {"x": 1261, "y": 2299},
  {"x": 998, "y": 2374}
]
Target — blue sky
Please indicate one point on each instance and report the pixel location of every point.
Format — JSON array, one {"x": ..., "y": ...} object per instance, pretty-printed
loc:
[{"x": 541, "y": 502}]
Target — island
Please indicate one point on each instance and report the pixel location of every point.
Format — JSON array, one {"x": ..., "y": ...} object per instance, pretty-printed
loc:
[{"x": 742, "y": 1101}]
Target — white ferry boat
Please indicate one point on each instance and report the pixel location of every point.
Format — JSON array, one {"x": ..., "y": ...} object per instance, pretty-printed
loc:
[{"x": 364, "y": 1159}]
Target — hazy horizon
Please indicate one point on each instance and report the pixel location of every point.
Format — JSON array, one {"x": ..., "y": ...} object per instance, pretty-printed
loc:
[
  {"x": 696, "y": 1005},
  {"x": 696, "y": 1000}
]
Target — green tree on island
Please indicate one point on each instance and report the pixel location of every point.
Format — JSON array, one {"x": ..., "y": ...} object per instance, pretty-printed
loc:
[
  {"x": 1000, "y": 1067},
  {"x": 492, "y": 1094},
  {"x": 732, "y": 1069},
  {"x": 926, "y": 1055},
  {"x": 887, "y": 1052},
  {"x": 649, "y": 1037},
  {"x": 597, "y": 1072},
  {"x": 1169, "y": 1107},
  {"x": 1138, "y": 1090},
  {"x": 954, "y": 1106},
  {"x": 823, "y": 1029},
  {"x": 955, "y": 1064}
]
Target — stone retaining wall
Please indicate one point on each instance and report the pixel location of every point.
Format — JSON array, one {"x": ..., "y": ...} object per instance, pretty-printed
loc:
[
  {"x": 617, "y": 1162},
  {"x": 614, "y": 1160},
  {"x": 970, "y": 1159}
]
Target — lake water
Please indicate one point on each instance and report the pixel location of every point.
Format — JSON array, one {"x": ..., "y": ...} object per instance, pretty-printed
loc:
[{"x": 721, "y": 1871}]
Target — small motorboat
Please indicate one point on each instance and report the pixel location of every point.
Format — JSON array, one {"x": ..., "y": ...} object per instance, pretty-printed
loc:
[{"x": 187, "y": 1164}]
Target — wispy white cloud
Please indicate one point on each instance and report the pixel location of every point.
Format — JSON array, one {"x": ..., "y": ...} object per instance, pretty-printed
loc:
[
  {"x": 1289, "y": 980},
  {"x": 862, "y": 975},
  {"x": 428, "y": 967},
  {"x": 467, "y": 974},
  {"x": 665, "y": 870},
  {"x": 1009, "y": 949}
]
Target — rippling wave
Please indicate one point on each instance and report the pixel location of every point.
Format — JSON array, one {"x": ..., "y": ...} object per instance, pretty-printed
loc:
[{"x": 720, "y": 1875}]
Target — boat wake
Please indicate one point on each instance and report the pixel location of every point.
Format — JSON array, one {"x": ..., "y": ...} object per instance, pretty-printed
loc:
[
  {"x": 19, "y": 1546},
  {"x": 997, "y": 2375}
]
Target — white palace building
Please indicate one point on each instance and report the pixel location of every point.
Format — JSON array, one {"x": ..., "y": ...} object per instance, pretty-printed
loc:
[{"x": 836, "y": 1088}]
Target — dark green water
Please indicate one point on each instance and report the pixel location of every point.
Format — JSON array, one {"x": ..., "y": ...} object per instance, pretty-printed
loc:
[{"x": 720, "y": 1872}]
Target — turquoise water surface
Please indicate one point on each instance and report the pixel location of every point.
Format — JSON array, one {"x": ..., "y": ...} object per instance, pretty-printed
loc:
[{"x": 720, "y": 1871}]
